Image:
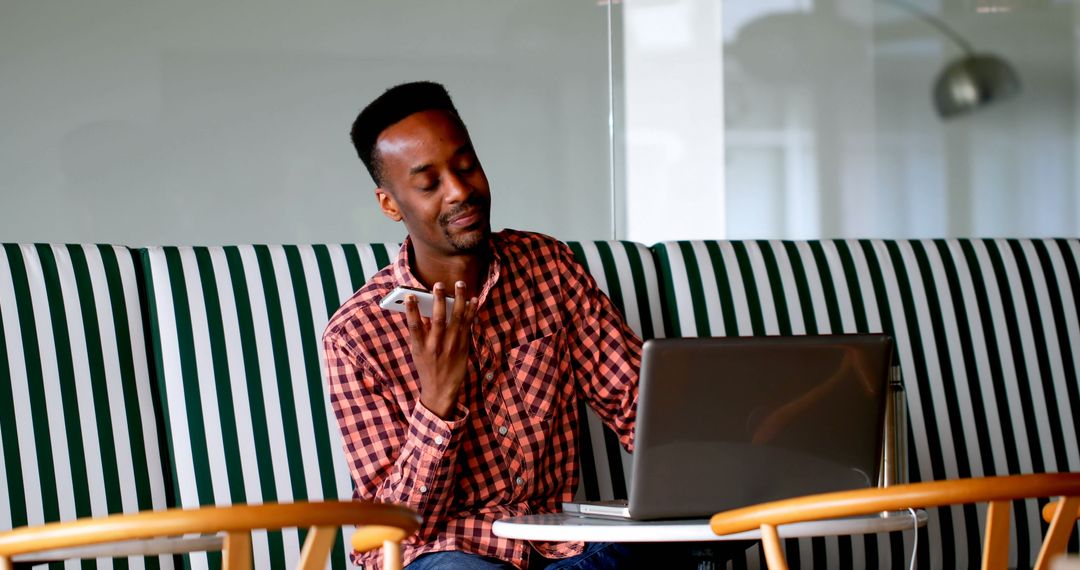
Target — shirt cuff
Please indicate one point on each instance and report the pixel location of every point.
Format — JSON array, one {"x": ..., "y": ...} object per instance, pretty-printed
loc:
[{"x": 434, "y": 434}]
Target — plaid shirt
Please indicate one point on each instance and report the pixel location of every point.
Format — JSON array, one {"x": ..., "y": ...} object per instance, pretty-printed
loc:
[{"x": 543, "y": 335}]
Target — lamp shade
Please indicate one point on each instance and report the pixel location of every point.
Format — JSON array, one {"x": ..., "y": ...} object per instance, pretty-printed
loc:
[{"x": 972, "y": 82}]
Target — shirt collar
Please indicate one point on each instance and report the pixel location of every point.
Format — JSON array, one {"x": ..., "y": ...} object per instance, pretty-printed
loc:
[{"x": 404, "y": 276}]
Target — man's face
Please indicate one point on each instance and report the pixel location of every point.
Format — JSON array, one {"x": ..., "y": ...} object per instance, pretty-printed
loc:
[{"x": 433, "y": 182}]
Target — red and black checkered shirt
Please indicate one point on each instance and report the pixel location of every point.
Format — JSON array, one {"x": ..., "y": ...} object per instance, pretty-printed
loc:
[{"x": 544, "y": 335}]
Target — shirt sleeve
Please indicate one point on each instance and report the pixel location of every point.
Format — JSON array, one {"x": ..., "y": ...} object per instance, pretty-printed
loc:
[
  {"x": 395, "y": 456},
  {"x": 605, "y": 351}
]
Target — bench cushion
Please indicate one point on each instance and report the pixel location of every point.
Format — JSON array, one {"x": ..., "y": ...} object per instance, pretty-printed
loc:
[
  {"x": 78, "y": 431},
  {"x": 237, "y": 338},
  {"x": 985, "y": 332}
]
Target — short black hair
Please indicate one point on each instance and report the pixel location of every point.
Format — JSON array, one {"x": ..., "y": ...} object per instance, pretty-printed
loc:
[{"x": 392, "y": 106}]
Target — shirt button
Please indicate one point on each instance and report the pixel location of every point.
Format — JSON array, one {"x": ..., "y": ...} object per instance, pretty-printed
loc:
[
  {"x": 423, "y": 488},
  {"x": 520, "y": 481},
  {"x": 503, "y": 430},
  {"x": 489, "y": 376},
  {"x": 438, "y": 440}
]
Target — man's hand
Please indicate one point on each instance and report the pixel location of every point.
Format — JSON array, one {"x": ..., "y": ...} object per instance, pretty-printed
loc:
[{"x": 440, "y": 348}]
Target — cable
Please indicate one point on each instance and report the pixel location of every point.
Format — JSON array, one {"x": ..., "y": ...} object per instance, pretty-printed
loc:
[{"x": 915, "y": 546}]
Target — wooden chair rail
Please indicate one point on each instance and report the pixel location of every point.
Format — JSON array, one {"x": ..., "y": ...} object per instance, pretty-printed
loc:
[
  {"x": 378, "y": 524},
  {"x": 997, "y": 491}
]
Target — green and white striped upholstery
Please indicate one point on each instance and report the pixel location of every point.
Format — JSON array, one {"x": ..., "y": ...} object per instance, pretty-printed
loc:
[
  {"x": 985, "y": 331},
  {"x": 626, "y": 272},
  {"x": 78, "y": 431},
  {"x": 237, "y": 340}
]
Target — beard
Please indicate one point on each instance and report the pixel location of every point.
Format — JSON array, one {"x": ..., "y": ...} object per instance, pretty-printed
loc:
[{"x": 469, "y": 239}]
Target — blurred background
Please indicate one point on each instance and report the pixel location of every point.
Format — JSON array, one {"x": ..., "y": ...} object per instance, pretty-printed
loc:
[{"x": 202, "y": 122}]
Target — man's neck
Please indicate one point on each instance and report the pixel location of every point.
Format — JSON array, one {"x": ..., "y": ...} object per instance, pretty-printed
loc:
[{"x": 471, "y": 268}]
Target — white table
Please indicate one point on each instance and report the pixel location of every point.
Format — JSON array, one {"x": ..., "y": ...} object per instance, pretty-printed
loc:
[{"x": 568, "y": 527}]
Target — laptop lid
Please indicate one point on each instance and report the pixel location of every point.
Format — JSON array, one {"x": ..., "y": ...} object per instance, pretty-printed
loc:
[{"x": 729, "y": 422}]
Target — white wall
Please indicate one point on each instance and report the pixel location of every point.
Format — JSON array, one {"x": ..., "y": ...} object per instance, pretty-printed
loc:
[{"x": 208, "y": 122}]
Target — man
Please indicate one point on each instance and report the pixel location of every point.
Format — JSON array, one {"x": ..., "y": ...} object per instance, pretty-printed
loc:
[{"x": 470, "y": 417}]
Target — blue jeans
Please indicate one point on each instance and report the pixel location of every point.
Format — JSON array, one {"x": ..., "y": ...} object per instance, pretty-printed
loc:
[{"x": 597, "y": 556}]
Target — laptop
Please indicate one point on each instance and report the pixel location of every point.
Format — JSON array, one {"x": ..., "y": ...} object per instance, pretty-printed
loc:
[{"x": 729, "y": 422}]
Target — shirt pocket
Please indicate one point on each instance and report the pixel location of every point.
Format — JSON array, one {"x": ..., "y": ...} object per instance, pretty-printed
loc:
[{"x": 537, "y": 369}]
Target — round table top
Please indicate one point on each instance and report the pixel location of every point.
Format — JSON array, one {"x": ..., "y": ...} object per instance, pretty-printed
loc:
[{"x": 572, "y": 527}]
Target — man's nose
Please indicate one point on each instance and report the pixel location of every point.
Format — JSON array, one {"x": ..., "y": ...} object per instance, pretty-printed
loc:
[{"x": 457, "y": 190}]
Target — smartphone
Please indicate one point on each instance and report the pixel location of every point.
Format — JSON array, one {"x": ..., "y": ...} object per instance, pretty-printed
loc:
[{"x": 395, "y": 301}]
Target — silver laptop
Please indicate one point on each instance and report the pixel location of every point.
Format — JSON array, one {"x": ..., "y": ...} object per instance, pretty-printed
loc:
[{"x": 729, "y": 422}]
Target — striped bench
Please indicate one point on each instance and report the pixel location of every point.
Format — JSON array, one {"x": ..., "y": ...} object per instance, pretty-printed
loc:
[
  {"x": 985, "y": 332},
  {"x": 178, "y": 376}
]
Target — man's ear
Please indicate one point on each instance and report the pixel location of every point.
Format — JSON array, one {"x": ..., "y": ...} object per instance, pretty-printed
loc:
[{"x": 387, "y": 204}]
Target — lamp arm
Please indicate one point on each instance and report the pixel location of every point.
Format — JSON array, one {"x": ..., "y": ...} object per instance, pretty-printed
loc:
[{"x": 935, "y": 22}]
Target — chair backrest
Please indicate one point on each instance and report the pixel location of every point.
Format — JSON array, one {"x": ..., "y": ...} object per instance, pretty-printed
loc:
[
  {"x": 999, "y": 492},
  {"x": 985, "y": 333},
  {"x": 78, "y": 426},
  {"x": 379, "y": 525}
]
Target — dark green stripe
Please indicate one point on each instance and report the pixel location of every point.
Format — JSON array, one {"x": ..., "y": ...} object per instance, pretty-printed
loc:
[
  {"x": 9, "y": 439},
  {"x": 723, "y": 287},
  {"x": 189, "y": 375},
  {"x": 329, "y": 283},
  {"x": 219, "y": 357},
  {"x": 356, "y": 268},
  {"x": 579, "y": 254},
  {"x": 281, "y": 367},
  {"x": 1042, "y": 356},
  {"x": 66, "y": 377},
  {"x": 997, "y": 374},
  {"x": 753, "y": 301},
  {"x": 971, "y": 371},
  {"x": 383, "y": 255},
  {"x": 163, "y": 393},
  {"x": 99, "y": 389},
  {"x": 256, "y": 401},
  {"x": 672, "y": 326},
  {"x": 126, "y": 363},
  {"x": 776, "y": 285},
  {"x": 697, "y": 294},
  {"x": 828, "y": 287},
  {"x": 802, "y": 285},
  {"x": 310, "y": 346},
  {"x": 855, "y": 294},
  {"x": 611, "y": 275},
  {"x": 641, "y": 289}
]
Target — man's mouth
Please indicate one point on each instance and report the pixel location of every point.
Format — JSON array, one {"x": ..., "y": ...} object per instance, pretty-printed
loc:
[{"x": 465, "y": 219}]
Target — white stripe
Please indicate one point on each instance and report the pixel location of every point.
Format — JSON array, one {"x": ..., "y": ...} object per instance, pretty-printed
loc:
[
  {"x": 5, "y": 506},
  {"x": 298, "y": 383},
  {"x": 595, "y": 266},
  {"x": 174, "y": 387},
  {"x": 791, "y": 289},
  {"x": 832, "y": 552},
  {"x": 858, "y": 551},
  {"x": 960, "y": 382},
  {"x": 713, "y": 312},
  {"x": 625, "y": 275},
  {"x": 743, "y": 321},
  {"x": 907, "y": 365},
  {"x": 984, "y": 379},
  {"x": 840, "y": 285},
  {"x": 341, "y": 272},
  {"x": 817, "y": 293},
  {"x": 35, "y": 510},
  {"x": 50, "y": 378},
  {"x": 1004, "y": 352},
  {"x": 1072, "y": 328},
  {"x": 217, "y": 463},
  {"x": 114, "y": 388},
  {"x": 866, "y": 287},
  {"x": 84, "y": 394},
  {"x": 324, "y": 416},
  {"x": 245, "y": 433},
  {"x": 268, "y": 374},
  {"x": 683, "y": 311},
  {"x": 140, "y": 366},
  {"x": 764, "y": 288},
  {"x": 652, "y": 287},
  {"x": 1057, "y": 367}
]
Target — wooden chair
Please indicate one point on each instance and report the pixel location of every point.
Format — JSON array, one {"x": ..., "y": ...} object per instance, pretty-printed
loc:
[
  {"x": 997, "y": 491},
  {"x": 378, "y": 524}
]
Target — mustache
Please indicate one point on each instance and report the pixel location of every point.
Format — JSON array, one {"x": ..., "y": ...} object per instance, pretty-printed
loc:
[{"x": 475, "y": 203}]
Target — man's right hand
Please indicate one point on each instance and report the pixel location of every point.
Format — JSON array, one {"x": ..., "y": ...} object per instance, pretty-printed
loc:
[{"x": 440, "y": 348}]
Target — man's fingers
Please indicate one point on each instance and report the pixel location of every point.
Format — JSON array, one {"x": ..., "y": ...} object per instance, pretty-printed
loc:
[
  {"x": 417, "y": 331},
  {"x": 438, "y": 310},
  {"x": 459, "y": 301}
]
